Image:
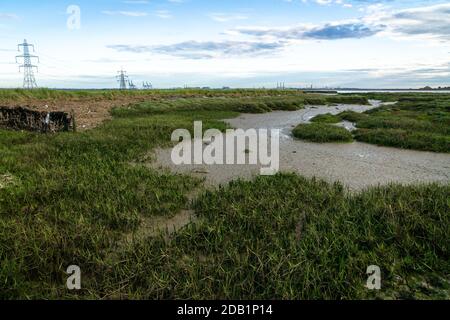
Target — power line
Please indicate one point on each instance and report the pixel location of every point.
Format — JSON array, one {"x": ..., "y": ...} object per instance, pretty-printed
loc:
[{"x": 29, "y": 81}]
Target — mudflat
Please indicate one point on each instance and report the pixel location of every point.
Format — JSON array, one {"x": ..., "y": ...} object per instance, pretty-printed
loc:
[{"x": 357, "y": 165}]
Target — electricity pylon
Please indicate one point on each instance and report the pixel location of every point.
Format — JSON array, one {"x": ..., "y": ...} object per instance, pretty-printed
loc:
[
  {"x": 29, "y": 82},
  {"x": 122, "y": 79}
]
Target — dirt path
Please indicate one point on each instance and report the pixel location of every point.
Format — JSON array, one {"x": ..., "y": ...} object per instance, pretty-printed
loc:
[{"x": 89, "y": 112}]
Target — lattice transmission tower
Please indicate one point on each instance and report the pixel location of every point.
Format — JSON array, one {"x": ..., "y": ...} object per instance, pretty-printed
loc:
[
  {"x": 29, "y": 81},
  {"x": 122, "y": 78}
]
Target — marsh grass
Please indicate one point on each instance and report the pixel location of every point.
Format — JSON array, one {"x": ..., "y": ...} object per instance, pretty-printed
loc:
[
  {"x": 351, "y": 116},
  {"x": 407, "y": 139},
  {"x": 288, "y": 237},
  {"x": 75, "y": 196},
  {"x": 326, "y": 118},
  {"x": 158, "y": 94},
  {"x": 45, "y": 94},
  {"x": 417, "y": 121},
  {"x": 242, "y": 105},
  {"x": 321, "y": 132}
]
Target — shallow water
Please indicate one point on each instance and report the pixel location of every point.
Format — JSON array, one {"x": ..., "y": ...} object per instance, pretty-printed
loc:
[
  {"x": 286, "y": 120},
  {"x": 357, "y": 165}
]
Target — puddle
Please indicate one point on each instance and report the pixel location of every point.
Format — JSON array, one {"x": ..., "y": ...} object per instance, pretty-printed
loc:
[{"x": 350, "y": 126}]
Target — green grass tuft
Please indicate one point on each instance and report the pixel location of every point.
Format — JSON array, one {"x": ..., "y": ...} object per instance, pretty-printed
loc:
[
  {"x": 351, "y": 116},
  {"x": 406, "y": 139},
  {"x": 319, "y": 132},
  {"x": 326, "y": 118}
]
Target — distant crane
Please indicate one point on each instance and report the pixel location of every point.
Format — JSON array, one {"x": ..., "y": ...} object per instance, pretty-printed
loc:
[
  {"x": 122, "y": 78},
  {"x": 280, "y": 85},
  {"x": 29, "y": 81},
  {"x": 147, "y": 85},
  {"x": 131, "y": 85}
]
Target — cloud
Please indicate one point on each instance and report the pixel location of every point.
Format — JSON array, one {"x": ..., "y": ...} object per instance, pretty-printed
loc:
[
  {"x": 136, "y": 2},
  {"x": 374, "y": 1},
  {"x": 339, "y": 2},
  {"x": 429, "y": 74},
  {"x": 126, "y": 13},
  {"x": 206, "y": 50},
  {"x": 107, "y": 60},
  {"x": 324, "y": 32},
  {"x": 226, "y": 17},
  {"x": 431, "y": 21},
  {"x": 324, "y": 2},
  {"x": 163, "y": 14},
  {"x": 8, "y": 16},
  {"x": 342, "y": 31}
]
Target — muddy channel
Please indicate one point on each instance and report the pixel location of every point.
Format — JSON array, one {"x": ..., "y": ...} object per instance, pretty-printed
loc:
[{"x": 357, "y": 165}]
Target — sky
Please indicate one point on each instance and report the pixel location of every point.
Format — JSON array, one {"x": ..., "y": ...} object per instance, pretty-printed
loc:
[{"x": 232, "y": 43}]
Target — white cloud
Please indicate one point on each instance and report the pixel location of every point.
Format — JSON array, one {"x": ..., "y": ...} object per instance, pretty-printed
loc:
[
  {"x": 324, "y": 2},
  {"x": 328, "y": 2},
  {"x": 226, "y": 17},
  {"x": 163, "y": 14},
  {"x": 431, "y": 22},
  {"x": 136, "y": 2},
  {"x": 350, "y": 29},
  {"x": 126, "y": 13},
  {"x": 207, "y": 49},
  {"x": 12, "y": 16}
]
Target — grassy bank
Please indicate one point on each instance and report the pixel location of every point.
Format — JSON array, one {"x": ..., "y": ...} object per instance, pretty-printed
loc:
[
  {"x": 20, "y": 95},
  {"x": 320, "y": 132},
  {"x": 256, "y": 240},
  {"x": 44, "y": 94},
  {"x": 242, "y": 105},
  {"x": 260, "y": 100},
  {"x": 417, "y": 121},
  {"x": 72, "y": 198}
]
